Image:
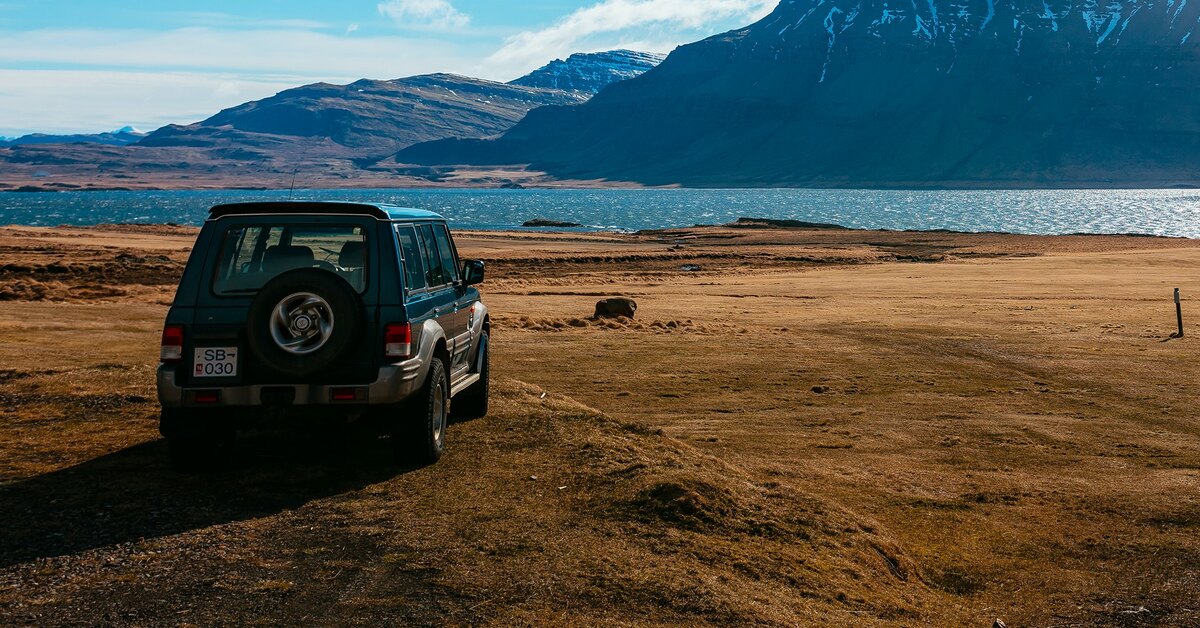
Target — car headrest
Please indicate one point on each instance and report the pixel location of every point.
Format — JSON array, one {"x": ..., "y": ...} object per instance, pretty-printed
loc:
[
  {"x": 353, "y": 255},
  {"x": 280, "y": 259}
]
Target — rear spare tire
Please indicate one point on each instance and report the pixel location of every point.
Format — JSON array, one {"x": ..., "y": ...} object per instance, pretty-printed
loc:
[{"x": 304, "y": 323}]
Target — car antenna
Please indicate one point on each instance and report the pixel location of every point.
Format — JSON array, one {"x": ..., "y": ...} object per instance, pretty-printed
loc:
[{"x": 292, "y": 191}]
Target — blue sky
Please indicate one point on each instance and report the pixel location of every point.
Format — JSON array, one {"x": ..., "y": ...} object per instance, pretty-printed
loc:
[{"x": 89, "y": 65}]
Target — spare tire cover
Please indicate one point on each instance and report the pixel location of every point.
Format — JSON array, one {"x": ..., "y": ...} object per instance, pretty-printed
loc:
[{"x": 304, "y": 323}]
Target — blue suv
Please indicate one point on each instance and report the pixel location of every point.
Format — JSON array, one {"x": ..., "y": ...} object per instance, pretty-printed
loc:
[{"x": 296, "y": 312}]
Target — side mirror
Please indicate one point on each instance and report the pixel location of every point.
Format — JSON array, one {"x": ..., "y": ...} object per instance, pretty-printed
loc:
[{"x": 472, "y": 272}]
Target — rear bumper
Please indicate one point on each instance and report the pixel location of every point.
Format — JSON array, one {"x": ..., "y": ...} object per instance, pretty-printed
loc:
[{"x": 395, "y": 383}]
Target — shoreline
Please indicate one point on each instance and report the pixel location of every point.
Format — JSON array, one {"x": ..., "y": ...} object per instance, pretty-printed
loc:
[
  {"x": 25, "y": 187},
  {"x": 743, "y": 223}
]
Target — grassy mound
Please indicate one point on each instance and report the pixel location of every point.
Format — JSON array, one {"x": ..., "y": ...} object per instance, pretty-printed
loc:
[{"x": 545, "y": 512}]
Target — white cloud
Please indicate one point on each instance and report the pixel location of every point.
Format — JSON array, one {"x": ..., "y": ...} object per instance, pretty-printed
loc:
[
  {"x": 229, "y": 20},
  {"x": 424, "y": 13},
  {"x": 303, "y": 54},
  {"x": 74, "y": 101},
  {"x": 614, "y": 17},
  {"x": 228, "y": 89},
  {"x": 105, "y": 79}
]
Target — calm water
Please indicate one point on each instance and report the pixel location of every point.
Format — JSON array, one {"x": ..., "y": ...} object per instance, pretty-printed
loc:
[{"x": 1159, "y": 212}]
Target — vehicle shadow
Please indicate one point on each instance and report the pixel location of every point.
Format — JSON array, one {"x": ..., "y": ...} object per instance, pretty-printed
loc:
[{"x": 134, "y": 494}]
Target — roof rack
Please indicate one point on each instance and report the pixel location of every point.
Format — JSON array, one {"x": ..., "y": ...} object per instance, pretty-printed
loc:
[
  {"x": 297, "y": 207},
  {"x": 382, "y": 212}
]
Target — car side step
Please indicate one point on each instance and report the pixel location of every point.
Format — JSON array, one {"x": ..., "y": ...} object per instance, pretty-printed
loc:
[{"x": 466, "y": 383}]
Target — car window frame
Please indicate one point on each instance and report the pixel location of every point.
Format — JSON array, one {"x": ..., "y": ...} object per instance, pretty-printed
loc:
[
  {"x": 287, "y": 224},
  {"x": 456, "y": 263},
  {"x": 409, "y": 290},
  {"x": 437, "y": 256}
]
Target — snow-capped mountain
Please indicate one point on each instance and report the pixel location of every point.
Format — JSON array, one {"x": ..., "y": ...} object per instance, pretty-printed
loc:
[
  {"x": 590, "y": 72},
  {"x": 895, "y": 93},
  {"x": 943, "y": 31}
]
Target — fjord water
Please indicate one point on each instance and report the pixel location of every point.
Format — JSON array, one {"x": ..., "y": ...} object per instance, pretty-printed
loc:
[{"x": 1153, "y": 212}]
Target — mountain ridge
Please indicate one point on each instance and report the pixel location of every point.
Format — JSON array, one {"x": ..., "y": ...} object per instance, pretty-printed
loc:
[
  {"x": 367, "y": 117},
  {"x": 120, "y": 137}
]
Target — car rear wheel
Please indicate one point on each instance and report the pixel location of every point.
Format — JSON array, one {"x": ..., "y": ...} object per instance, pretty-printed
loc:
[
  {"x": 420, "y": 437},
  {"x": 472, "y": 403}
]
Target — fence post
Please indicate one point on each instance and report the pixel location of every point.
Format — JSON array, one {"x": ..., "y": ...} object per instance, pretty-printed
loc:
[{"x": 1179, "y": 312}]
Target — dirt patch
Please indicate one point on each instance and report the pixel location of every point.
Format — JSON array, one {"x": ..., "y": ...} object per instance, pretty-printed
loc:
[
  {"x": 565, "y": 324},
  {"x": 688, "y": 503},
  {"x": 82, "y": 273},
  {"x": 119, "y": 269}
]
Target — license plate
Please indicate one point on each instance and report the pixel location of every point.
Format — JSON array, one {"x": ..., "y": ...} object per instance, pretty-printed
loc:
[{"x": 216, "y": 362}]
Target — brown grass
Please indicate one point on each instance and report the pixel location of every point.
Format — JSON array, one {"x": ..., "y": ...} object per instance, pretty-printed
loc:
[{"x": 813, "y": 429}]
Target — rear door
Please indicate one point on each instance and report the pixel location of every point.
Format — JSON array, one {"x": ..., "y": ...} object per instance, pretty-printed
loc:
[
  {"x": 420, "y": 303},
  {"x": 465, "y": 297},
  {"x": 440, "y": 282},
  {"x": 240, "y": 260},
  {"x": 462, "y": 305}
]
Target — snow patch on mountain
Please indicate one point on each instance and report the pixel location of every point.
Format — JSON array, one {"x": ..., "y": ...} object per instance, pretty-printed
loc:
[
  {"x": 588, "y": 73},
  {"x": 954, "y": 22}
]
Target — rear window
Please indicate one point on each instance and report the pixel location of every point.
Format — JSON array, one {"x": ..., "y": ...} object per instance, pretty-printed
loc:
[{"x": 253, "y": 255}]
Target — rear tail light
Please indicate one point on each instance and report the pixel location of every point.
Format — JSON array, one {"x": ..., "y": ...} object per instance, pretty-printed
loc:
[
  {"x": 398, "y": 341},
  {"x": 206, "y": 397},
  {"x": 172, "y": 344},
  {"x": 357, "y": 393}
]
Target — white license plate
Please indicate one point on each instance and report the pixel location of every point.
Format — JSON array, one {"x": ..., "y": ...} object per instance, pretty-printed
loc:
[{"x": 216, "y": 362}]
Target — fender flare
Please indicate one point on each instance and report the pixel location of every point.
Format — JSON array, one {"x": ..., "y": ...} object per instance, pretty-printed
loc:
[
  {"x": 430, "y": 333},
  {"x": 481, "y": 318}
]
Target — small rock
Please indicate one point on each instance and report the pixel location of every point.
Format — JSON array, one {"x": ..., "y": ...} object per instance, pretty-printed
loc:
[
  {"x": 691, "y": 268},
  {"x": 546, "y": 222},
  {"x": 999, "y": 623},
  {"x": 533, "y": 477},
  {"x": 615, "y": 307},
  {"x": 820, "y": 390}
]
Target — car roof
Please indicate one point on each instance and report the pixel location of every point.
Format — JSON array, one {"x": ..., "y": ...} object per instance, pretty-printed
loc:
[{"x": 378, "y": 210}]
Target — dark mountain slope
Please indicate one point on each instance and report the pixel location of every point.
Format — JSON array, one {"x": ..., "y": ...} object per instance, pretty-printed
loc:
[{"x": 842, "y": 92}]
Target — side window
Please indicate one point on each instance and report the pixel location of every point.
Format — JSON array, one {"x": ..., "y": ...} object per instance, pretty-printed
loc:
[
  {"x": 435, "y": 275},
  {"x": 446, "y": 251},
  {"x": 414, "y": 266}
]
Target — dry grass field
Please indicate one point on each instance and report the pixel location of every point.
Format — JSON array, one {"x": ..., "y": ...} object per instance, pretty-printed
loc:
[{"x": 805, "y": 427}]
